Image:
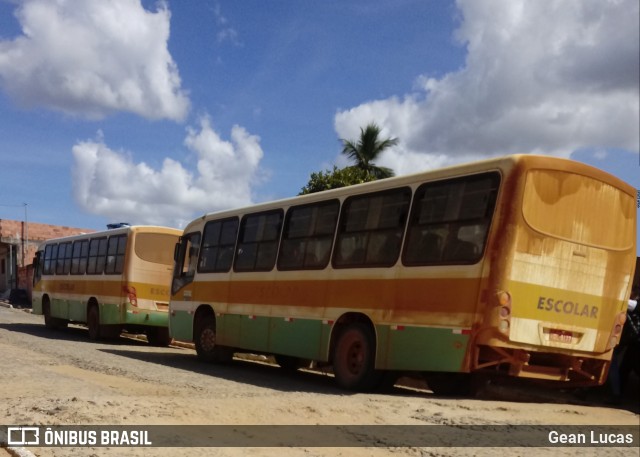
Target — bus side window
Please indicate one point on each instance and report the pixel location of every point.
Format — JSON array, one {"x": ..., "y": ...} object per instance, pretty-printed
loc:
[
  {"x": 186, "y": 261},
  {"x": 50, "y": 257},
  {"x": 450, "y": 219},
  {"x": 79, "y": 257},
  {"x": 115, "y": 254},
  {"x": 218, "y": 244},
  {"x": 308, "y": 235},
  {"x": 371, "y": 229},
  {"x": 97, "y": 254},
  {"x": 258, "y": 241}
]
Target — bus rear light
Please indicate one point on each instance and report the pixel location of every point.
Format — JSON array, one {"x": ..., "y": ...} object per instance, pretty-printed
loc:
[
  {"x": 131, "y": 295},
  {"x": 504, "y": 298},
  {"x": 503, "y": 326},
  {"x": 504, "y": 312},
  {"x": 622, "y": 318}
]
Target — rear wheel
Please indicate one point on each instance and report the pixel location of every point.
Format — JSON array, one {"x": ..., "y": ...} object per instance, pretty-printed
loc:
[
  {"x": 205, "y": 341},
  {"x": 49, "y": 321},
  {"x": 93, "y": 322},
  {"x": 158, "y": 336},
  {"x": 354, "y": 358}
]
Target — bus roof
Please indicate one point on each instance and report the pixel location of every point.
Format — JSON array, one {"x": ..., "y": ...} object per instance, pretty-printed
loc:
[
  {"x": 116, "y": 231},
  {"x": 504, "y": 163}
]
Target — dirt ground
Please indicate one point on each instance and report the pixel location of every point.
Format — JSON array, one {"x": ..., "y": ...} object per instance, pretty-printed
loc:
[{"x": 61, "y": 378}]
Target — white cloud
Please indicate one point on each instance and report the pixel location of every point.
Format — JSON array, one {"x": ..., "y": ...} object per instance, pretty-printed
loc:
[
  {"x": 93, "y": 57},
  {"x": 109, "y": 183},
  {"x": 546, "y": 77}
]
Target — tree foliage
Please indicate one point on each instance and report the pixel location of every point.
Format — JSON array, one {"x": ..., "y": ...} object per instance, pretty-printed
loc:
[
  {"x": 367, "y": 149},
  {"x": 363, "y": 152},
  {"x": 333, "y": 179}
]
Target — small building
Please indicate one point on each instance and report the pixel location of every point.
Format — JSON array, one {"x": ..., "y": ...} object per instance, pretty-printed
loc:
[{"x": 19, "y": 242}]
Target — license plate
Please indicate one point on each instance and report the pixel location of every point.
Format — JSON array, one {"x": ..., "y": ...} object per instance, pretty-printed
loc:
[{"x": 560, "y": 336}]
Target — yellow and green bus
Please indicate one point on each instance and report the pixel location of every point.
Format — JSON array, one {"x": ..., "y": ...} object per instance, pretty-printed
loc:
[
  {"x": 111, "y": 281},
  {"x": 518, "y": 266}
]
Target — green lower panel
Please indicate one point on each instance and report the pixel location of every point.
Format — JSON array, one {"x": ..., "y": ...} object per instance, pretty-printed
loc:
[
  {"x": 181, "y": 325},
  {"x": 59, "y": 308},
  {"x": 228, "y": 329},
  {"x": 146, "y": 317},
  {"x": 297, "y": 337},
  {"x": 110, "y": 314},
  {"x": 254, "y": 333},
  {"x": 77, "y": 311},
  {"x": 420, "y": 349}
]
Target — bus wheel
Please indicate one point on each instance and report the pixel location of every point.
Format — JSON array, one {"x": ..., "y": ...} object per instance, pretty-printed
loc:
[
  {"x": 205, "y": 341},
  {"x": 158, "y": 336},
  {"x": 52, "y": 322},
  {"x": 49, "y": 321},
  {"x": 354, "y": 358},
  {"x": 93, "y": 322},
  {"x": 288, "y": 363}
]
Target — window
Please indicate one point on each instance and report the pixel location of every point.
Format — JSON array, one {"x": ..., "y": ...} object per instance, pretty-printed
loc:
[
  {"x": 63, "y": 265},
  {"x": 218, "y": 244},
  {"x": 156, "y": 247},
  {"x": 450, "y": 220},
  {"x": 79, "y": 257},
  {"x": 50, "y": 257},
  {"x": 308, "y": 235},
  {"x": 258, "y": 241},
  {"x": 115, "y": 254},
  {"x": 371, "y": 229},
  {"x": 97, "y": 253},
  {"x": 186, "y": 261}
]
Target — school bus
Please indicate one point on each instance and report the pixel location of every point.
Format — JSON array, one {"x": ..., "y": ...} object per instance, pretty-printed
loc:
[
  {"x": 518, "y": 266},
  {"x": 111, "y": 281}
]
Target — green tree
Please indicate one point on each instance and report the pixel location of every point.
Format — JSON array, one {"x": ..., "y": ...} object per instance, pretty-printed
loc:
[
  {"x": 367, "y": 149},
  {"x": 333, "y": 179}
]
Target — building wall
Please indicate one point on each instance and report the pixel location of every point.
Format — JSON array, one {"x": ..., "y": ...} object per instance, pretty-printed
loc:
[{"x": 18, "y": 246}]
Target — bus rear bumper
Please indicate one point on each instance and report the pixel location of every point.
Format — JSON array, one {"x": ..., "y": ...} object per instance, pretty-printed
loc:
[
  {"x": 146, "y": 317},
  {"x": 568, "y": 370}
]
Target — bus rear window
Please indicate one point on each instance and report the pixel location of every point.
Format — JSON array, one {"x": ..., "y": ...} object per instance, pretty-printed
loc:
[
  {"x": 579, "y": 209},
  {"x": 156, "y": 247}
]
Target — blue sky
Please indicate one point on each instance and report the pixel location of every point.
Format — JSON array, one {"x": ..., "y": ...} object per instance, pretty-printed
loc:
[{"x": 156, "y": 112}]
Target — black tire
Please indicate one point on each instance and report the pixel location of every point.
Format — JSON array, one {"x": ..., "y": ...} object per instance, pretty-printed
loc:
[
  {"x": 205, "y": 341},
  {"x": 49, "y": 321},
  {"x": 93, "y": 323},
  {"x": 158, "y": 336},
  {"x": 354, "y": 358}
]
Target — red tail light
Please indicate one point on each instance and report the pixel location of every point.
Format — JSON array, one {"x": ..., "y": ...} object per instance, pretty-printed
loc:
[{"x": 131, "y": 295}]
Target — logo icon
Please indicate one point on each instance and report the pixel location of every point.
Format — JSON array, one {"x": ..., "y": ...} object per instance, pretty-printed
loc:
[{"x": 23, "y": 436}]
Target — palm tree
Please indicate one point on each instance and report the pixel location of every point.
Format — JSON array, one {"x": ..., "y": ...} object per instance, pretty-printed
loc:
[{"x": 367, "y": 149}]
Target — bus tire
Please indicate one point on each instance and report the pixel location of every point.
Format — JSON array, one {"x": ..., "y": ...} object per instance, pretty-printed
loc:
[
  {"x": 93, "y": 323},
  {"x": 49, "y": 321},
  {"x": 205, "y": 342},
  {"x": 354, "y": 358},
  {"x": 158, "y": 336}
]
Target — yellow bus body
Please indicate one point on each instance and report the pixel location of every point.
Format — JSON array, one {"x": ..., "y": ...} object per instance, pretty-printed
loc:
[
  {"x": 127, "y": 289},
  {"x": 545, "y": 297}
]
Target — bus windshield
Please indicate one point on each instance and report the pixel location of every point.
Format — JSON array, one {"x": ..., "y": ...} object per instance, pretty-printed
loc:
[
  {"x": 155, "y": 247},
  {"x": 578, "y": 208}
]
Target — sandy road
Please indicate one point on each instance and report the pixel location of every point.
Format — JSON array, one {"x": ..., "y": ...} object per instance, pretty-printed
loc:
[{"x": 61, "y": 378}]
